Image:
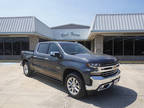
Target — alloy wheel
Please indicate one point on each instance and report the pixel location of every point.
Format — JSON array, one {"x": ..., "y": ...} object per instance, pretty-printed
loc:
[
  {"x": 73, "y": 85},
  {"x": 25, "y": 68}
]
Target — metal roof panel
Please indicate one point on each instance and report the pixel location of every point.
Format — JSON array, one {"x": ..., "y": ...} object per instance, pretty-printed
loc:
[
  {"x": 116, "y": 22},
  {"x": 21, "y": 25}
]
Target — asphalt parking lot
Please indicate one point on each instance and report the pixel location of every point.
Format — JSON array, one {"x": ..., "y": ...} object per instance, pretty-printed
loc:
[{"x": 18, "y": 91}]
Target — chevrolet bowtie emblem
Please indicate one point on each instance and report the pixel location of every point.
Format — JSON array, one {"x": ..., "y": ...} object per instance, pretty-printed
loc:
[{"x": 114, "y": 67}]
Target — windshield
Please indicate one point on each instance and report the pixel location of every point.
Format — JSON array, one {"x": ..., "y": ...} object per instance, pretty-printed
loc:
[{"x": 74, "y": 48}]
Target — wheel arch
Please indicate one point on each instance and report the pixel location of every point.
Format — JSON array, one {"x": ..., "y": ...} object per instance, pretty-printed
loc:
[
  {"x": 24, "y": 61},
  {"x": 70, "y": 70}
]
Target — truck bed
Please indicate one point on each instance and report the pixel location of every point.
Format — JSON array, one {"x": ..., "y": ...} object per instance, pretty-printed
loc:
[{"x": 26, "y": 54}]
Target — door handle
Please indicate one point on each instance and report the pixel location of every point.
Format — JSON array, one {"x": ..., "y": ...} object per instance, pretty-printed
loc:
[{"x": 46, "y": 58}]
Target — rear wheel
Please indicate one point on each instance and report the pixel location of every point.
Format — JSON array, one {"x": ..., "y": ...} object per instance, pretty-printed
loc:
[
  {"x": 75, "y": 85},
  {"x": 26, "y": 69}
]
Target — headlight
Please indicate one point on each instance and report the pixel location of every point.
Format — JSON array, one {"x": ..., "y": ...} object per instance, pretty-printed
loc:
[{"x": 93, "y": 65}]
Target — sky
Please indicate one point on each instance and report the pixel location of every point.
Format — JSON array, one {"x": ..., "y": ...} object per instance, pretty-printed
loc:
[{"x": 59, "y": 12}]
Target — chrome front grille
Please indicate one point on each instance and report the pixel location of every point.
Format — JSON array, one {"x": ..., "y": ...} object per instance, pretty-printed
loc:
[
  {"x": 106, "y": 71},
  {"x": 108, "y": 64},
  {"x": 108, "y": 68}
]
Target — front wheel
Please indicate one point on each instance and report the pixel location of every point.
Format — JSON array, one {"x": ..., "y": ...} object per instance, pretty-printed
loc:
[
  {"x": 26, "y": 69},
  {"x": 75, "y": 85}
]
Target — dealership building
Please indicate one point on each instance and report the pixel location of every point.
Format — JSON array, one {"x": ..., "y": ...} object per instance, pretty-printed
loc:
[{"x": 121, "y": 35}]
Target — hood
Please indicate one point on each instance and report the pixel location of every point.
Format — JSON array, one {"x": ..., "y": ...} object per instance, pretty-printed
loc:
[{"x": 93, "y": 58}]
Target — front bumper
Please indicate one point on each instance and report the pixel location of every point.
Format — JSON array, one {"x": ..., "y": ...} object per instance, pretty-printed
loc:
[{"x": 100, "y": 83}]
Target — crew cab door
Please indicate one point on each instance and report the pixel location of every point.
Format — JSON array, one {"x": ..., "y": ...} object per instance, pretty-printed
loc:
[
  {"x": 40, "y": 58},
  {"x": 54, "y": 63}
]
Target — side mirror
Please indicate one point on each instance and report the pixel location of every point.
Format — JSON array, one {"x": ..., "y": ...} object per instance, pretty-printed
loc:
[{"x": 55, "y": 54}]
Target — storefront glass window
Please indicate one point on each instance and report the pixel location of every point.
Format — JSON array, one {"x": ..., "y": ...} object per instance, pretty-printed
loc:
[
  {"x": 118, "y": 46},
  {"x": 124, "y": 45},
  {"x": 128, "y": 45},
  {"x": 139, "y": 46},
  {"x": 108, "y": 45},
  {"x": 87, "y": 44},
  {"x": 13, "y": 45},
  {"x": 24, "y": 44},
  {"x": 16, "y": 46},
  {"x": 7, "y": 46},
  {"x": 1, "y": 47}
]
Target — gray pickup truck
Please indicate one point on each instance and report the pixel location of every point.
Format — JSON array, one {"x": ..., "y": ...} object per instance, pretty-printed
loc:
[{"x": 78, "y": 68}]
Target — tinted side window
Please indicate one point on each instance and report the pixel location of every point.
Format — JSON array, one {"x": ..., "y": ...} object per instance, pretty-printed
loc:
[
  {"x": 53, "y": 47},
  {"x": 43, "y": 48}
]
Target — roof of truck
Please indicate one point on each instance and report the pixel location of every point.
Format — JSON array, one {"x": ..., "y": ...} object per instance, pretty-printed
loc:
[{"x": 57, "y": 42}]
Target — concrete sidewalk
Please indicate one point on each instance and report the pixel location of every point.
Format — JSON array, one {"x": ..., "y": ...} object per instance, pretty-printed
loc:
[{"x": 18, "y": 91}]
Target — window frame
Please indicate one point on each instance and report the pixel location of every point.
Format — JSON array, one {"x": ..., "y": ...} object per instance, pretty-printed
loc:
[{"x": 39, "y": 47}]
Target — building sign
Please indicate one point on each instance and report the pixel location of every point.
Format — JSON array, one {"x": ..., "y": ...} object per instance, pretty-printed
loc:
[{"x": 70, "y": 34}]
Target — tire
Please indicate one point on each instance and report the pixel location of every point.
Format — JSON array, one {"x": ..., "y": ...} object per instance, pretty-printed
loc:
[
  {"x": 75, "y": 85},
  {"x": 26, "y": 69}
]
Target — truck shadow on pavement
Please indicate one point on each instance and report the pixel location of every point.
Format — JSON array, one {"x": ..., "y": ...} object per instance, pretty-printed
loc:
[{"x": 115, "y": 97}]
